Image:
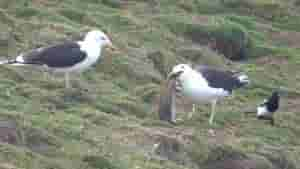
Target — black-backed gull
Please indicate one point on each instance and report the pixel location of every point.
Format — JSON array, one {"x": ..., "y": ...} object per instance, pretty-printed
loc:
[
  {"x": 206, "y": 84},
  {"x": 73, "y": 56}
]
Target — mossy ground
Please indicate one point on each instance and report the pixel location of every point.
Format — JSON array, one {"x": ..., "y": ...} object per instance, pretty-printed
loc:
[{"x": 114, "y": 124}]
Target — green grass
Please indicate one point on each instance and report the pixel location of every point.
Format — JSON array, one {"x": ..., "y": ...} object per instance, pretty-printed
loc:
[{"x": 114, "y": 124}]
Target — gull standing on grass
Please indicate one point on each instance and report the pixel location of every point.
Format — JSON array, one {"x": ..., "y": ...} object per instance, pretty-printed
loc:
[
  {"x": 68, "y": 57},
  {"x": 206, "y": 84}
]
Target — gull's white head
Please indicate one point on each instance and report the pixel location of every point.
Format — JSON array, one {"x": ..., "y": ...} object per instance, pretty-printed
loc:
[
  {"x": 178, "y": 70},
  {"x": 98, "y": 37}
]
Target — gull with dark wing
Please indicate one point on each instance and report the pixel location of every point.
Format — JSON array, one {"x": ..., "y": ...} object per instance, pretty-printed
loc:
[
  {"x": 205, "y": 84},
  {"x": 68, "y": 57}
]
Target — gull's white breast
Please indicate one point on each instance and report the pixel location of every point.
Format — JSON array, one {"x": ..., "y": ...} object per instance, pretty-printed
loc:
[{"x": 196, "y": 88}]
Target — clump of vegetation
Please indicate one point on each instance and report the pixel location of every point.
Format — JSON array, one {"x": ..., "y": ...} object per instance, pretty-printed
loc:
[
  {"x": 100, "y": 162},
  {"x": 109, "y": 118},
  {"x": 267, "y": 9},
  {"x": 228, "y": 38}
]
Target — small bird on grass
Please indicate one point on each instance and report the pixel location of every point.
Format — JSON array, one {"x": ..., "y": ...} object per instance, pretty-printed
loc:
[{"x": 266, "y": 110}]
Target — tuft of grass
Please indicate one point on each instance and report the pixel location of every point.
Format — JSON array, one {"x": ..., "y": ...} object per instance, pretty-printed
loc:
[
  {"x": 111, "y": 124},
  {"x": 72, "y": 14},
  {"x": 101, "y": 162},
  {"x": 112, "y": 3},
  {"x": 267, "y": 9}
]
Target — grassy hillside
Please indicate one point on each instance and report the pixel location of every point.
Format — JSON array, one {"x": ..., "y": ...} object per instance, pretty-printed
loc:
[{"x": 109, "y": 119}]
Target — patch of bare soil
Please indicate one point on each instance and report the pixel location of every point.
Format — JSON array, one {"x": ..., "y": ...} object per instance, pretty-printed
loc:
[
  {"x": 236, "y": 164},
  {"x": 7, "y": 166},
  {"x": 146, "y": 137},
  {"x": 158, "y": 142},
  {"x": 272, "y": 60},
  {"x": 202, "y": 19},
  {"x": 290, "y": 104},
  {"x": 174, "y": 143},
  {"x": 289, "y": 38},
  {"x": 8, "y": 132},
  {"x": 33, "y": 139},
  {"x": 169, "y": 143},
  {"x": 40, "y": 142}
]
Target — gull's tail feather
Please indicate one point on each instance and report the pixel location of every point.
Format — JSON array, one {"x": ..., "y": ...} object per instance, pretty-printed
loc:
[
  {"x": 18, "y": 61},
  {"x": 11, "y": 62},
  {"x": 4, "y": 62}
]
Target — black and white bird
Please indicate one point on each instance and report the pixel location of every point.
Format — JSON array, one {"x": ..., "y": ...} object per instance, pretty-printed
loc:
[
  {"x": 205, "y": 84},
  {"x": 68, "y": 57},
  {"x": 265, "y": 111}
]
